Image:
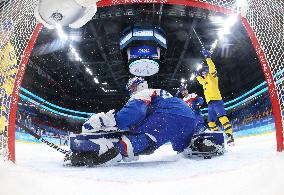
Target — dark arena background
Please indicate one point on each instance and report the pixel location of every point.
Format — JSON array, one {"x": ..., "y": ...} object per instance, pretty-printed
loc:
[{"x": 54, "y": 79}]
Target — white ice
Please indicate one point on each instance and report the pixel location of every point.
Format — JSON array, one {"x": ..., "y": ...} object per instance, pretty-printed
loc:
[{"x": 252, "y": 166}]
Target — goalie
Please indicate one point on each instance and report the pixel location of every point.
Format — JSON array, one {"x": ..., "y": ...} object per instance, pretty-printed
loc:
[{"x": 151, "y": 118}]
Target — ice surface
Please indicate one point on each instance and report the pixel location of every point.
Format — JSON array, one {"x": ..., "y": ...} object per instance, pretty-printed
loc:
[{"x": 251, "y": 167}]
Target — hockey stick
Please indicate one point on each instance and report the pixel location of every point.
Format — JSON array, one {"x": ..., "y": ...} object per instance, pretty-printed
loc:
[
  {"x": 202, "y": 45},
  {"x": 50, "y": 144},
  {"x": 203, "y": 48}
]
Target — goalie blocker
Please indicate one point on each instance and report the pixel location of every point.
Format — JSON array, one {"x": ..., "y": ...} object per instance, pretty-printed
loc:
[{"x": 103, "y": 148}]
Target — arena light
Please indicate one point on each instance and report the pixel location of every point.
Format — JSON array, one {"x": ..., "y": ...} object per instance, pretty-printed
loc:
[
  {"x": 105, "y": 83},
  {"x": 96, "y": 80},
  {"x": 108, "y": 90},
  {"x": 217, "y": 20},
  {"x": 227, "y": 25},
  {"x": 214, "y": 45},
  {"x": 75, "y": 35},
  {"x": 76, "y": 55},
  {"x": 72, "y": 49},
  {"x": 182, "y": 80},
  {"x": 74, "y": 52},
  {"x": 88, "y": 70},
  {"x": 77, "y": 58},
  {"x": 60, "y": 32},
  {"x": 224, "y": 31},
  {"x": 103, "y": 89},
  {"x": 231, "y": 20}
]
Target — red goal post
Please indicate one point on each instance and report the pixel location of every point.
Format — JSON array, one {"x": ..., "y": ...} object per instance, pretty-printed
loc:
[
  {"x": 19, "y": 29},
  {"x": 18, "y": 32}
]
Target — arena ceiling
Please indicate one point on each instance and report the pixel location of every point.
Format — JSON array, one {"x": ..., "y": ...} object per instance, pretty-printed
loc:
[{"x": 54, "y": 74}]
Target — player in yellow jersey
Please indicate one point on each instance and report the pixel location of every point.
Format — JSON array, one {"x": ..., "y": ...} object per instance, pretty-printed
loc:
[{"x": 208, "y": 78}]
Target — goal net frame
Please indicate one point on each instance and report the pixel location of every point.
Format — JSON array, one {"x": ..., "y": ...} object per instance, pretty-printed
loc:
[{"x": 261, "y": 19}]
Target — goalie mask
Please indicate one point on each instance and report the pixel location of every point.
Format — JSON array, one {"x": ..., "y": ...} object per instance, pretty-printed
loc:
[{"x": 136, "y": 84}]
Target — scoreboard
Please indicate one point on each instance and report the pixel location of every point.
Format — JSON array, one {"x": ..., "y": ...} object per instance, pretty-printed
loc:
[{"x": 144, "y": 51}]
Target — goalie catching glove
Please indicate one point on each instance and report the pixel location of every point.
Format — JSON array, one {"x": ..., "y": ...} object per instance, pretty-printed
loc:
[{"x": 100, "y": 122}]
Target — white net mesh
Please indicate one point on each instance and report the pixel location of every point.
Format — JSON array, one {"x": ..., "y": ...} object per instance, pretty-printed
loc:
[
  {"x": 267, "y": 21},
  {"x": 266, "y": 18},
  {"x": 18, "y": 23},
  {"x": 16, "y": 27},
  {"x": 230, "y": 4}
]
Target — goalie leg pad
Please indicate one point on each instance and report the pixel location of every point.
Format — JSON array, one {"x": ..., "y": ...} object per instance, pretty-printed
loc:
[
  {"x": 110, "y": 157},
  {"x": 204, "y": 144},
  {"x": 92, "y": 150}
]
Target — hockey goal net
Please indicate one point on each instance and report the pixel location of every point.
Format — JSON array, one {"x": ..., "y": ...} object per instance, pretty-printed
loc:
[{"x": 18, "y": 31}]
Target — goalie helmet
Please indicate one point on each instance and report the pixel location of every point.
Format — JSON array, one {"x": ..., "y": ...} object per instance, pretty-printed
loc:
[{"x": 136, "y": 84}]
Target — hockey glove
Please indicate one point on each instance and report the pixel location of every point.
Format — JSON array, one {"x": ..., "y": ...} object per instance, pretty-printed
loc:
[
  {"x": 100, "y": 122},
  {"x": 206, "y": 54},
  {"x": 110, "y": 119}
]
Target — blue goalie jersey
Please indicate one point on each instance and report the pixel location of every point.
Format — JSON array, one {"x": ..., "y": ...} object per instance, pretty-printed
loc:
[{"x": 150, "y": 101}]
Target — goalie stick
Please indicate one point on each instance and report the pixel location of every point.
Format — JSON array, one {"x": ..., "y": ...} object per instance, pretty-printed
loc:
[{"x": 38, "y": 137}]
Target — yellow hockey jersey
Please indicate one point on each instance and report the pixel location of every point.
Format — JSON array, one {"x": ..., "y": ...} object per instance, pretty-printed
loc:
[{"x": 210, "y": 83}]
